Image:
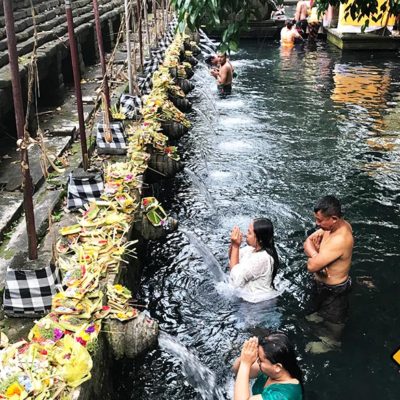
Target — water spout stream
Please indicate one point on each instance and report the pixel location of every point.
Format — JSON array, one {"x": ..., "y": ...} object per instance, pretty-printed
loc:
[
  {"x": 202, "y": 187},
  {"x": 201, "y": 377},
  {"x": 208, "y": 257}
]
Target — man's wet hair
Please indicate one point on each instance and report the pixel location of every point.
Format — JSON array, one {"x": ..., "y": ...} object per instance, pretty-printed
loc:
[
  {"x": 329, "y": 206},
  {"x": 289, "y": 24},
  {"x": 209, "y": 59}
]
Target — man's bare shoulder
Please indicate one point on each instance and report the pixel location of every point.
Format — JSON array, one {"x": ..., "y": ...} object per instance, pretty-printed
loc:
[
  {"x": 349, "y": 227},
  {"x": 343, "y": 236}
]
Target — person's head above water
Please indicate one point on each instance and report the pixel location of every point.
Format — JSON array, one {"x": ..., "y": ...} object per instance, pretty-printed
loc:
[
  {"x": 277, "y": 358},
  {"x": 222, "y": 57},
  {"x": 289, "y": 24},
  {"x": 328, "y": 211},
  {"x": 260, "y": 235},
  {"x": 212, "y": 60}
]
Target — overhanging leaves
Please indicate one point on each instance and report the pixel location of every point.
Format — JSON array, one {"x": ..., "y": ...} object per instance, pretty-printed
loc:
[
  {"x": 234, "y": 15},
  {"x": 359, "y": 9}
]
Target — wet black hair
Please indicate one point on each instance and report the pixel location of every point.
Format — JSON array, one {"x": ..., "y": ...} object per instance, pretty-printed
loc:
[
  {"x": 329, "y": 206},
  {"x": 264, "y": 231},
  {"x": 289, "y": 23},
  {"x": 210, "y": 58},
  {"x": 278, "y": 349}
]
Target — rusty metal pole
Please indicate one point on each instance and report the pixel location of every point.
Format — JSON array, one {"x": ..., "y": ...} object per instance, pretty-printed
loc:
[
  {"x": 139, "y": 11},
  {"x": 99, "y": 35},
  {"x": 77, "y": 82},
  {"x": 20, "y": 123}
]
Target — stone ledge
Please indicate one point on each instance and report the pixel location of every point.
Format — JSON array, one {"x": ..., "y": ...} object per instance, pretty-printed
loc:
[
  {"x": 10, "y": 206},
  {"x": 361, "y": 41}
]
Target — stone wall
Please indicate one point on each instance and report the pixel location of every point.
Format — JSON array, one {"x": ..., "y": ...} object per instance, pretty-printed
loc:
[{"x": 54, "y": 63}]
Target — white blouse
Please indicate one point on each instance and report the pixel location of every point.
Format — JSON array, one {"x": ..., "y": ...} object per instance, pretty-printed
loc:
[{"x": 253, "y": 275}]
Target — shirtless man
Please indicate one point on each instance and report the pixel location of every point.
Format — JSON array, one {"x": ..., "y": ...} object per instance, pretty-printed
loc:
[
  {"x": 224, "y": 75},
  {"x": 301, "y": 15},
  {"x": 289, "y": 35},
  {"x": 329, "y": 252}
]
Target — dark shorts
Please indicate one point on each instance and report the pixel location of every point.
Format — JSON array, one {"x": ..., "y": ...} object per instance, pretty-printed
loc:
[
  {"x": 225, "y": 89},
  {"x": 302, "y": 24},
  {"x": 331, "y": 302}
]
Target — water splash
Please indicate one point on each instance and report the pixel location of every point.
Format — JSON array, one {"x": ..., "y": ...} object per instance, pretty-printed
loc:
[
  {"x": 202, "y": 187},
  {"x": 208, "y": 257},
  {"x": 211, "y": 101},
  {"x": 205, "y": 119},
  {"x": 201, "y": 377}
]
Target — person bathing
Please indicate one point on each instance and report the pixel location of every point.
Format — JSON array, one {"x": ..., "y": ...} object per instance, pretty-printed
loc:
[
  {"x": 272, "y": 361},
  {"x": 253, "y": 267},
  {"x": 223, "y": 75}
]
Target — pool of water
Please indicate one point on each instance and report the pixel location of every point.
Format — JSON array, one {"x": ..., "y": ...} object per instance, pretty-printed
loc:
[{"x": 300, "y": 124}]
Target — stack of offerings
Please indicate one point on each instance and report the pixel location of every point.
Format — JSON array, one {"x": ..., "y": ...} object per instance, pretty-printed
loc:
[{"x": 119, "y": 303}]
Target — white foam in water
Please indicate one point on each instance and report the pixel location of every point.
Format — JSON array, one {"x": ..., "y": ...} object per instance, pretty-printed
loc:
[
  {"x": 237, "y": 64},
  {"x": 232, "y": 122},
  {"x": 229, "y": 104},
  {"x": 220, "y": 175},
  {"x": 234, "y": 145},
  {"x": 242, "y": 221},
  {"x": 225, "y": 289}
]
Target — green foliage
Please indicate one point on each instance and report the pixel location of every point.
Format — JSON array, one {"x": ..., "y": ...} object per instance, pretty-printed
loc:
[
  {"x": 57, "y": 215},
  {"x": 234, "y": 14},
  {"x": 362, "y": 8},
  {"x": 93, "y": 346}
]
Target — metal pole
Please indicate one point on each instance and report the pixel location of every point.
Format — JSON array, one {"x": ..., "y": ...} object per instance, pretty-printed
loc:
[
  {"x": 128, "y": 46},
  {"x": 146, "y": 17},
  {"x": 20, "y": 123},
  {"x": 99, "y": 35},
  {"x": 139, "y": 11},
  {"x": 77, "y": 82}
]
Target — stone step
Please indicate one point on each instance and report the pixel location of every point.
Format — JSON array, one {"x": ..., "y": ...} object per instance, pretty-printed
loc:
[
  {"x": 55, "y": 29},
  {"x": 44, "y": 203},
  {"x": 10, "y": 206},
  {"x": 10, "y": 172},
  {"x": 54, "y": 15}
]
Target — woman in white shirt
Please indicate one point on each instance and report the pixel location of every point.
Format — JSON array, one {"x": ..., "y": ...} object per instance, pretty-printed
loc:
[{"x": 253, "y": 267}]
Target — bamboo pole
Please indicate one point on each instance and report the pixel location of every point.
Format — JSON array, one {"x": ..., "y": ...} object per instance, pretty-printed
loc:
[
  {"x": 168, "y": 11},
  {"x": 128, "y": 45},
  {"x": 103, "y": 63},
  {"x": 139, "y": 13},
  {"x": 155, "y": 18},
  {"x": 163, "y": 16},
  {"x": 133, "y": 22},
  {"x": 77, "y": 83},
  {"x": 146, "y": 17},
  {"x": 20, "y": 123}
]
